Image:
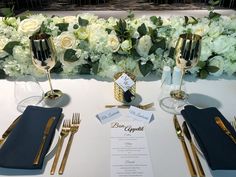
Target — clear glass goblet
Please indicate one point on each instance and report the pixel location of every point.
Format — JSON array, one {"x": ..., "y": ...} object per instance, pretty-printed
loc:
[
  {"x": 44, "y": 57},
  {"x": 27, "y": 91},
  {"x": 187, "y": 53}
]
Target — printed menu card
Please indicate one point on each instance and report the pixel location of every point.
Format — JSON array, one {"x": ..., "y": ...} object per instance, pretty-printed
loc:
[{"x": 129, "y": 150}]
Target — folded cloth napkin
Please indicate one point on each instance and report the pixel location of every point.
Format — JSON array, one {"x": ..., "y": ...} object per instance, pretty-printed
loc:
[
  {"x": 218, "y": 149},
  {"x": 22, "y": 145}
]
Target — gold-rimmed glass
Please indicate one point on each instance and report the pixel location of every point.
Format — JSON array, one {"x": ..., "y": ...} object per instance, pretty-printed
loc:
[
  {"x": 187, "y": 53},
  {"x": 44, "y": 58}
]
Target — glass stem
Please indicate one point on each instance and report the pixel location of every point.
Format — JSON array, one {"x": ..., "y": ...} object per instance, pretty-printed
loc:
[
  {"x": 181, "y": 80},
  {"x": 50, "y": 83}
]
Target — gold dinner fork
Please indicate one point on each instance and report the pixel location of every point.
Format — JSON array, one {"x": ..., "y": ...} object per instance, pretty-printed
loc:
[
  {"x": 74, "y": 128},
  {"x": 64, "y": 133}
]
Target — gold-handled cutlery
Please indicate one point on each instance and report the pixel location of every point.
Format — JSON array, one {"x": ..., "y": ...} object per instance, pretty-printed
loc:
[
  {"x": 195, "y": 156},
  {"x": 45, "y": 135},
  {"x": 222, "y": 126},
  {"x": 64, "y": 133},
  {"x": 144, "y": 107},
  {"x": 186, "y": 152},
  {"x": 74, "y": 128}
]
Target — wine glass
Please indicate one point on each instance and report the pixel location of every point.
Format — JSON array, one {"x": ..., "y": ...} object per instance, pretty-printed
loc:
[
  {"x": 187, "y": 52},
  {"x": 44, "y": 57},
  {"x": 27, "y": 92}
]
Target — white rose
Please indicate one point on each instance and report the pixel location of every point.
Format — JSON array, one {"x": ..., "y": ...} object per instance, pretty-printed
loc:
[
  {"x": 126, "y": 45},
  {"x": 144, "y": 45},
  {"x": 70, "y": 19},
  {"x": 215, "y": 29},
  {"x": 66, "y": 40},
  {"x": 3, "y": 42},
  {"x": 82, "y": 33},
  {"x": 219, "y": 62},
  {"x": 113, "y": 42},
  {"x": 222, "y": 44},
  {"x": 29, "y": 26}
]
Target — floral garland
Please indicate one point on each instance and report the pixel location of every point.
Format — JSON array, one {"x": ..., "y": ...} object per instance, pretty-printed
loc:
[{"x": 86, "y": 44}]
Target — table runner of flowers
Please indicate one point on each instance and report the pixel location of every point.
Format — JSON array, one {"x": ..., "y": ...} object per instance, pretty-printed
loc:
[{"x": 86, "y": 44}]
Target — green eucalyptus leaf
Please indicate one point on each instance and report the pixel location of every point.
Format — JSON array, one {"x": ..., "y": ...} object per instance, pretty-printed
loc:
[
  {"x": 142, "y": 30},
  {"x": 62, "y": 26},
  {"x": 83, "y": 22},
  {"x": 95, "y": 67},
  {"x": 214, "y": 15},
  {"x": 10, "y": 45},
  {"x": 108, "y": 30},
  {"x": 153, "y": 49},
  {"x": 2, "y": 74},
  {"x": 203, "y": 74},
  {"x": 8, "y": 12},
  {"x": 161, "y": 43},
  {"x": 201, "y": 64},
  {"x": 212, "y": 69},
  {"x": 70, "y": 55},
  {"x": 145, "y": 68},
  {"x": 57, "y": 68},
  {"x": 85, "y": 69},
  {"x": 22, "y": 17}
]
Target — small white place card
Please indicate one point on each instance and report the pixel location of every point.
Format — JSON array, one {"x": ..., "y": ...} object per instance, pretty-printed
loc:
[
  {"x": 108, "y": 115},
  {"x": 140, "y": 114},
  {"x": 129, "y": 150},
  {"x": 125, "y": 82}
]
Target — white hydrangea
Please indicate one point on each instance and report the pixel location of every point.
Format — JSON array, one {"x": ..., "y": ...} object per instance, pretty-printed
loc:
[{"x": 219, "y": 62}]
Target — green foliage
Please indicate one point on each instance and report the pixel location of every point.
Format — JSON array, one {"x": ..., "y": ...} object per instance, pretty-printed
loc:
[
  {"x": 214, "y": 16},
  {"x": 142, "y": 30},
  {"x": 130, "y": 15},
  {"x": 205, "y": 69},
  {"x": 2, "y": 74},
  {"x": 121, "y": 30},
  {"x": 145, "y": 68},
  {"x": 95, "y": 67},
  {"x": 85, "y": 69},
  {"x": 57, "y": 68},
  {"x": 156, "y": 21},
  {"x": 83, "y": 22},
  {"x": 8, "y": 12},
  {"x": 63, "y": 26},
  {"x": 190, "y": 20},
  {"x": 70, "y": 55},
  {"x": 9, "y": 47}
]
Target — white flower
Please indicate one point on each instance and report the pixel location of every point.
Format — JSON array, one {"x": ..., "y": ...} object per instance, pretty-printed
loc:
[
  {"x": 29, "y": 26},
  {"x": 3, "y": 42},
  {"x": 70, "y": 19},
  {"x": 66, "y": 40},
  {"x": 222, "y": 44},
  {"x": 126, "y": 45},
  {"x": 230, "y": 67},
  {"x": 21, "y": 55},
  {"x": 144, "y": 45},
  {"x": 215, "y": 29},
  {"x": 217, "y": 61},
  {"x": 82, "y": 33},
  {"x": 113, "y": 42}
]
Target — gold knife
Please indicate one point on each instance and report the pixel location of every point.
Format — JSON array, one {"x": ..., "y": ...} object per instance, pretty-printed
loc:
[
  {"x": 186, "y": 152},
  {"x": 9, "y": 129},
  {"x": 222, "y": 126},
  {"x": 45, "y": 134},
  {"x": 194, "y": 151}
]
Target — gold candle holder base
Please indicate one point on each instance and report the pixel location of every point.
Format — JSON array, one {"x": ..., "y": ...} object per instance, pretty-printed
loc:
[
  {"x": 119, "y": 92},
  {"x": 53, "y": 95}
]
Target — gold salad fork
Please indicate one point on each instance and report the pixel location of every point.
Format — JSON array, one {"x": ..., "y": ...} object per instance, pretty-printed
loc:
[
  {"x": 64, "y": 133},
  {"x": 73, "y": 129}
]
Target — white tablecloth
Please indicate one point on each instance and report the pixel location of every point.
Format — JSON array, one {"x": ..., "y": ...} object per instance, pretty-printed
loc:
[{"x": 90, "y": 153}]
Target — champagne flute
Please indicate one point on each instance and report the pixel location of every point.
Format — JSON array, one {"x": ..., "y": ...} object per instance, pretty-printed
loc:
[
  {"x": 44, "y": 57},
  {"x": 187, "y": 53}
]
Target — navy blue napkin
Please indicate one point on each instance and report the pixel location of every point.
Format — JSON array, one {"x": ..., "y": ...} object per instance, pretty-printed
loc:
[
  {"x": 21, "y": 146},
  {"x": 218, "y": 149}
]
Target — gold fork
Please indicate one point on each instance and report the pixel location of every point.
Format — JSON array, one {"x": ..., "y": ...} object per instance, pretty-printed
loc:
[
  {"x": 74, "y": 128},
  {"x": 64, "y": 133}
]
